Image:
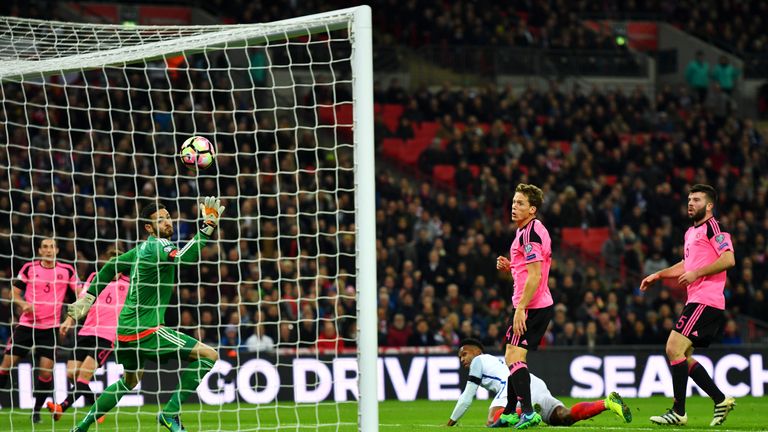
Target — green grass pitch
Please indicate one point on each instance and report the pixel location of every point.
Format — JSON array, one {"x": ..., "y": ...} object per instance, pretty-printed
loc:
[{"x": 751, "y": 414}]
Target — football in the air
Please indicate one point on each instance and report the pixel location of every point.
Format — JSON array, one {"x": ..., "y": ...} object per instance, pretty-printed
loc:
[{"x": 197, "y": 152}]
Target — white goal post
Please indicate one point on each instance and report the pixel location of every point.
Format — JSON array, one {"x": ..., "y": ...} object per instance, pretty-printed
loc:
[{"x": 92, "y": 118}]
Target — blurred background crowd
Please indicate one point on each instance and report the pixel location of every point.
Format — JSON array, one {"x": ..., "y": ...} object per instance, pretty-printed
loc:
[{"x": 614, "y": 164}]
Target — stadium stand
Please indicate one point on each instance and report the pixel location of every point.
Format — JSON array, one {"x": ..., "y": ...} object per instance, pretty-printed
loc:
[{"x": 614, "y": 167}]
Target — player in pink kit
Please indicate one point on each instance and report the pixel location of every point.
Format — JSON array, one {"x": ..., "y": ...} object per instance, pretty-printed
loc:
[
  {"x": 708, "y": 254},
  {"x": 39, "y": 291},
  {"x": 530, "y": 258},
  {"x": 95, "y": 341}
]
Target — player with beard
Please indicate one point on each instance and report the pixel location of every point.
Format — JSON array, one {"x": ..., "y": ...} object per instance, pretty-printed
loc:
[
  {"x": 141, "y": 333},
  {"x": 708, "y": 254}
]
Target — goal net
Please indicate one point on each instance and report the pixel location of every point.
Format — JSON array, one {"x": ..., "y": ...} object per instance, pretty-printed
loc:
[{"x": 92, "y": 119}]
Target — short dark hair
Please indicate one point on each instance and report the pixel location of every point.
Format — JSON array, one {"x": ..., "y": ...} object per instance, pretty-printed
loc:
[
  {"x": 472, "y": 342},
  {"x": 707, "y": 190},
  {"x": 145, "y": 216},
  {"x": 533, "y": 193},
  {"x": 43, "y": 237}
]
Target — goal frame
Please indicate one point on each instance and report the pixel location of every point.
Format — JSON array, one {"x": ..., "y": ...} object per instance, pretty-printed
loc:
[{"x": 358, "y": 21}]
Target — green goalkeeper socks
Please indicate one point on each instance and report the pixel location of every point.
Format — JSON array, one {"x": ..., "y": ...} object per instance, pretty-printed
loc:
[
  {"x": 104, "y": 403},
  {"x": 189, "y": 381}
]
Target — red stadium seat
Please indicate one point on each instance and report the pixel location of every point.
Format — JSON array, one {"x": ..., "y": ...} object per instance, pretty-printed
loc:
[
  {"x": 611, "y": 180},
  {"x": 344, "y": 120},
  {"x": 411, "y": 150},
  {"x": 444, "y": 174},
  {"x": 475, "y": 169},
  {"x": 641, "y": 138},
  {"x": 326, "y": 115},
  {"x": 689, "y": 173},
  {"x": 427, "y": 130},
  {"x": 392, "y": 147},
  {"x": 573, "y": 237},
  {"x": 586, "y": 241},
  {"x": 625, "y": 138},
  {"x": 594, "y": 239},
  {"x": 344, "y": 114},
  {"x": 564, "y": 146},
  {"x": 391, "y": 114}
]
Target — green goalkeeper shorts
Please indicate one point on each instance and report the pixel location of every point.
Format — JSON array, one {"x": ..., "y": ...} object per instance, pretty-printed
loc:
[{"x": 160, "y": 346}]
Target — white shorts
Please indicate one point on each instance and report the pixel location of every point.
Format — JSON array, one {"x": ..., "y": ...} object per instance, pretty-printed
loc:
[
  {"x": 539, "y": 394},
  {"x": 500, "y": 400}
]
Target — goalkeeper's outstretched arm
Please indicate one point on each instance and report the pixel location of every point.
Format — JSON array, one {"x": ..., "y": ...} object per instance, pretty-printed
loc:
[
  {"x": 210, "y": 210},
  {"x": 119, "y": 264}
]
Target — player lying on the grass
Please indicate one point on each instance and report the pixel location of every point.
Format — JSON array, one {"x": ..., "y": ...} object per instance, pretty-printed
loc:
[
  {"x": 95, "y": 340},
  {"x": 491, "y": 374},
  {"x": 141, "y": 333}
]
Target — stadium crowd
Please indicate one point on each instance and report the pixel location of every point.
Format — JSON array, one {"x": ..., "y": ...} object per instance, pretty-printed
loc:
[
  {"x": 521, "y": 24},
  {"x": 627, "y": 166},
  {"x": 733, "y": 25},
  {"x": 286, "y": 251}
]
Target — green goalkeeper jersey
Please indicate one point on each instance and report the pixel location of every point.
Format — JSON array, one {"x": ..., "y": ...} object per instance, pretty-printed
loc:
[{"x": 152, "y": 269}]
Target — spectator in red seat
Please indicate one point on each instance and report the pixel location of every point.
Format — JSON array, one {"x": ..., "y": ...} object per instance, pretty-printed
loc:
[
  {"x": 435, "y": 272},
  {"x": 613, "y": 250},
  {"x": 412, "y": 112},
  {"x": 423, "y": 336},
  {"x": 329, "y": 340},
  {"x": 447, "y": 335},
  {"x": 398, "y": 334},
  {"x": 404, "y": 129},
  {"x": 568, "y": 337},
  {"x": 395, "y": 93}
]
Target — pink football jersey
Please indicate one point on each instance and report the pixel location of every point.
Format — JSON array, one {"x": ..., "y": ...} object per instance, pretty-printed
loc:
[
  {"x": 704, "y": 244},
  {"x": 45, "y": 288},
  {"x": 531, "y": 244},
  {"x": 102, "y": 318}
]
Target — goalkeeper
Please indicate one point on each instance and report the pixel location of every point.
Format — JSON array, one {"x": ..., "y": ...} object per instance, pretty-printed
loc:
[{"x": 141, "y": 335}]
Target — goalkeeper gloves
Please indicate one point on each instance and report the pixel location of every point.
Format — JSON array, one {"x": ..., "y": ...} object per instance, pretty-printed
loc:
[
  {"x": 211, "y": 210},
  {"x": 80, "y": 307}
]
